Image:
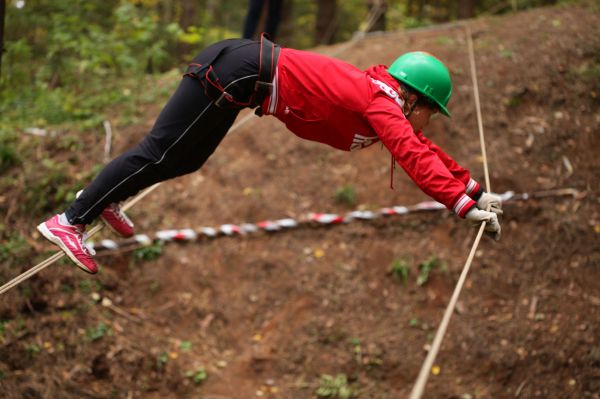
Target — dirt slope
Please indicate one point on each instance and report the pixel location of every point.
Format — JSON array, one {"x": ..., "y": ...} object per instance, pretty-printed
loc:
[{"x": 266, "y": 316}]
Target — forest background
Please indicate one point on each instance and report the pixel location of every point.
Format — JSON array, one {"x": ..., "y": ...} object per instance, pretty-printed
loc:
[{"x": 69, "y": 66}]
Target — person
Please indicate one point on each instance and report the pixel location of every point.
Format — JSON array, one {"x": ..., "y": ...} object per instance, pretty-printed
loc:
[
  {"x": 317, "y": 97},
  {"x": 255, "y": 8}
]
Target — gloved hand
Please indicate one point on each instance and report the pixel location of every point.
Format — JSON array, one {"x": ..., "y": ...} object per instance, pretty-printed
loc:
[
  {"x": 492, "y": 227},
  {"x": 493, "y": 200}
]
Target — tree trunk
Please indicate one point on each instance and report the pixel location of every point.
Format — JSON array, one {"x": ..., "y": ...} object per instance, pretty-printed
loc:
[
  {"x": 466, "y": 9},
  {"x": 420, "y": 10},
  {"x": 2, "y": 16},
  {"x": 326, "y": 23},
  {"x": 379, "y": 7}
]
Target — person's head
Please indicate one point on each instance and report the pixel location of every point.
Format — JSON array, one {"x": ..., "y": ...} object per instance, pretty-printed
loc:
[{"x": 426, "y": 86}]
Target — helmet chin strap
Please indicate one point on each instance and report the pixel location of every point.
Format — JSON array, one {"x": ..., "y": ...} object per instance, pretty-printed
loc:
[
  {"x": 410, "y": 107},
  {"x": 407, "y": 108}
]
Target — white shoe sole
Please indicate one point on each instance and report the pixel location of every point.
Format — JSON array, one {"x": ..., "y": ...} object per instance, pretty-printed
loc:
[{"x": 53, "y": 239}]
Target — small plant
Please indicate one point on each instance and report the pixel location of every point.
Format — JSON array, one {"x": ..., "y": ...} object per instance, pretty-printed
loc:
[
  {"x": 8, "y": 153},
  {"x": 506, "y": 53},
  {"x": 32, "y": 350},
  {"x": 13, "y": 248},
  {"x": 197, "y": 376},
  {"x": 96, "y": 333},
  {"x": 345, "y": 195},
  {"x": 162, "y": 360},
  {"x": 185, "y": 346},
  {"x": 3, "y": 324},
  {"x": 356, "y": 348},
  {"x": 414, "y": 322},
  {"x": 154, "y": 286},
  {"x": 400, "y": 270},
  {"x": 335, "y": 387},
  {"x": 149, "y": 253},
  {"x": 425, "y": 268},
  {"x": 88, "y": 286}
]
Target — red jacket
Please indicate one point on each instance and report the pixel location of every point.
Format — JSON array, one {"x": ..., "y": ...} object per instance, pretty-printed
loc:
[{"x": 330, "y": 101}]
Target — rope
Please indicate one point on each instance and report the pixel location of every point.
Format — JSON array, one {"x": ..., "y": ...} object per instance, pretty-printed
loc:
[
  {"x": 419, "y": 387},
  {"x": 44, "y": 264}
]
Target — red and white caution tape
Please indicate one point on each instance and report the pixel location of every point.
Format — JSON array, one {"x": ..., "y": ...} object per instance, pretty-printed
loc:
[{"x": 270, "y": 226}]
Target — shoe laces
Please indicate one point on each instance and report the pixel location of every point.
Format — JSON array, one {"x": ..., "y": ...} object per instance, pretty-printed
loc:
[
  {"x": 83, "y": 236},
  {"x": 117, "y": 211}
]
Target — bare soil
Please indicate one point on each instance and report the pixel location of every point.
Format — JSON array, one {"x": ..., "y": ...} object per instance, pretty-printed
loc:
[{"x": 267, "y": 315}]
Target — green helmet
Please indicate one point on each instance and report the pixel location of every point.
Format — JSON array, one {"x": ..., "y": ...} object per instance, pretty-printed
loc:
[{"x": 425, "y": 74}]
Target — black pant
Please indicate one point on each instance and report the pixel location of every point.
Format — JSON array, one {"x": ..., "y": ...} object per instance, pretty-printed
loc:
[
  {"x": 254, "y": 10},
  {"x": 186, "y": 133}
]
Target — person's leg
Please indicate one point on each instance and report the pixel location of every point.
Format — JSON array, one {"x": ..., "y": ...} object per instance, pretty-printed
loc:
[
  {"x": 252, "y": 17},
  {"x": 184, "y": 135},
  {"x": 273, "y": 17}
]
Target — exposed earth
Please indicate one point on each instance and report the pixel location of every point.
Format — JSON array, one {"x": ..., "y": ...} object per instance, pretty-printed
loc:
[{"x": 268, "y": 315}]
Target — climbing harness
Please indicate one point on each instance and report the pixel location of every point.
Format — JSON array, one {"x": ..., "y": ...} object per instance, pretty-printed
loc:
[{"x": 213, "y": 87}]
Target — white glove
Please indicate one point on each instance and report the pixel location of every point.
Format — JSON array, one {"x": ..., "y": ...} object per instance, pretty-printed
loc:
[
  {"x": 492, "y": 227},
  {"x": 492, "y": 200}
]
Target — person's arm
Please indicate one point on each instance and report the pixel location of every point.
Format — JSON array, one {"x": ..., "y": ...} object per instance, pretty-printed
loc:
[
  {"x": 421, "y": 164},
  {"x": 472, "y": 187}
]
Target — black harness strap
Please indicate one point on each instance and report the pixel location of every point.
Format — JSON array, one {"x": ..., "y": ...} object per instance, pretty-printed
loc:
[{"x": 269, "y": 53}]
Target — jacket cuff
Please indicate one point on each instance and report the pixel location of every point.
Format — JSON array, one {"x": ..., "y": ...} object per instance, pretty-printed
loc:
[
  {"x": 463, "y": 205},
  {"x": 472, "y": 188},
  {"x": 478, "y": 194}
]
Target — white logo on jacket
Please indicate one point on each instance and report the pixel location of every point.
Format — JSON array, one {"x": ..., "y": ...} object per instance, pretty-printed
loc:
[
  {"x": 393, "y": 94},
  {"x": 359, "y": 141}
]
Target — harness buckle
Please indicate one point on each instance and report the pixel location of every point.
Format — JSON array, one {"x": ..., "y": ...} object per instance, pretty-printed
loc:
[
  {"x": 263, "y": 85},
  {"x": 223, "y": 97}
]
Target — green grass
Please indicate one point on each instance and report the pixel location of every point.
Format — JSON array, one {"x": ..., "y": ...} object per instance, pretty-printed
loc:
[{"x": 345, "y": 195}]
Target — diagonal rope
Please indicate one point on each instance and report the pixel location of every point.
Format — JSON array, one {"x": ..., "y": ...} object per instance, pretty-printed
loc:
[
  {"x": 44, "y": 264},
  {"x": 419, "y": 387}
]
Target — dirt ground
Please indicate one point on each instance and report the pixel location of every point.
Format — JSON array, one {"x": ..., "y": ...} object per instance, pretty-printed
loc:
[{"x": 268, "y": 315}]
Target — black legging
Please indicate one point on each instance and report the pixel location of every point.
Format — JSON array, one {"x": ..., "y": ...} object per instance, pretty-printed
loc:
[{"x": 186, "y": 133}]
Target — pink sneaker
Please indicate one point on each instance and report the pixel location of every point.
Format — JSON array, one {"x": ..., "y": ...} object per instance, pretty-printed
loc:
[
  {"x": 117, "y": 220},
  {"x": 70, "y": 238}
]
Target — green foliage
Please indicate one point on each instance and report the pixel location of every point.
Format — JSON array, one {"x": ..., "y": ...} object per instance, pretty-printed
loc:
[
  {"x": 162, "y": 360},
  {"x": 185, "y": 346},
  {"x": 335, "y": 387},
  {"x": 198, "y": 376},
  {"x": 8, "y": 151},
  {"x": 346, "y": 195},
  {"x": 149, "y": 253},
  {"x": 356, "y": 348},
  {"x": 13, "y": 248},
  {"x": 2, "y": 329},
  {"x": 88, "y": 286},
  {"x": 426, "y": 268},
  {"x": 32, "y": 350},
  {"x": 588, "y": 73},
  {"x": 97, "y": 332},
  {"x": 48, "y": 186},
  {"x": 400, "y": 270}
]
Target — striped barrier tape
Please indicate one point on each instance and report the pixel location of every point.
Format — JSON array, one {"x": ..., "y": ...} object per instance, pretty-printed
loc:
[{"x": 184, "y": 235}]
